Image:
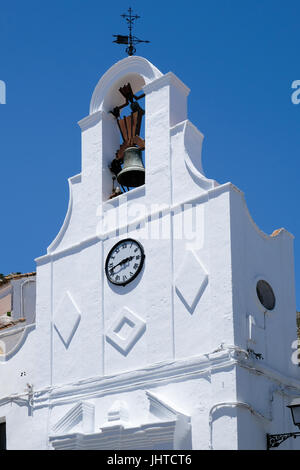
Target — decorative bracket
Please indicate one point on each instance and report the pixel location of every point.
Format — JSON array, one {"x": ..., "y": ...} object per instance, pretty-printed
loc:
[{"x": 274, "y": 440}]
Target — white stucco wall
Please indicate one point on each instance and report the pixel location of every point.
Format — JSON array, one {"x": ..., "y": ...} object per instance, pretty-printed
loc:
[{"x": 180, "y": 364}]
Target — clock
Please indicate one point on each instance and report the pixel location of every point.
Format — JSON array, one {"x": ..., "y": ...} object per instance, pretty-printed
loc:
[{"x": 124, "y": 262}]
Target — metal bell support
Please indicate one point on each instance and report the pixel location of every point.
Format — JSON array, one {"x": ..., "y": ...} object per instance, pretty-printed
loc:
[{"x": 132, "y": 174}]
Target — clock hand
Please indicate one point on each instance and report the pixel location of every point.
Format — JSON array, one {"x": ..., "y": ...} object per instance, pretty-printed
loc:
[{"x": 122, "y": 262}]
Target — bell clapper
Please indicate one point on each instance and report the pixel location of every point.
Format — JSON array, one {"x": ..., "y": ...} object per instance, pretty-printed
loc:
[
  {"x": 116, "y": 167},
  {"x": 115, "y": 191}
]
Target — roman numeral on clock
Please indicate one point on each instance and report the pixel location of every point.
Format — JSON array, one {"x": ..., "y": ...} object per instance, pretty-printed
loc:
[{"x": 124, "y": 261}]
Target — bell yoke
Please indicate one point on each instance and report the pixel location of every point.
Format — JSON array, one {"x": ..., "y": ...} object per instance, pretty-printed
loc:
[{"x": 129, "y": 154}]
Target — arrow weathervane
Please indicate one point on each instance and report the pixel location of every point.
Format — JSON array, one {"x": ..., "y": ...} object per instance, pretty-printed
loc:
[{"x": 130, "y": 40}]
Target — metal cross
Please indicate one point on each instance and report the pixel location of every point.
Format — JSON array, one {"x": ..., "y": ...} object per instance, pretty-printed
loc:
[{"x": 130, "y": 40}]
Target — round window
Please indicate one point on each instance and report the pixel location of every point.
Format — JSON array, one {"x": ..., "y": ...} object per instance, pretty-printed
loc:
[{"x": 265, "y": 294}]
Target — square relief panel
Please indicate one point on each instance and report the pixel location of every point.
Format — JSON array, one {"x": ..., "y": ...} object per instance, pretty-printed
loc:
[{"x": 126, "y": 330}]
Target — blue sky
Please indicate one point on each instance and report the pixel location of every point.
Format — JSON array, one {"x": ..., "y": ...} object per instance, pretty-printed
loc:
[{"x": 238, "y": 58}]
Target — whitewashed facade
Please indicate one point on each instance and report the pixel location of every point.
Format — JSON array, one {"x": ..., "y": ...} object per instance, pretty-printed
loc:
[
  {"x": 184, "y": 357},
  {"x": 17, "y": 312}
]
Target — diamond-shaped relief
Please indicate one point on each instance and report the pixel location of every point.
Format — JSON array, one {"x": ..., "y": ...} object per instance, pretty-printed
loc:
[
  {"x": 125, "y": 331},
  {"x": 66, "y": 318},
  {"x": 191, "y": 281}
]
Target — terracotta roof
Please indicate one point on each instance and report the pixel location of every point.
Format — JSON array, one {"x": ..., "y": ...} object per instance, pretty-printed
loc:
[
  {"x": 9, "y": 277},
  {"x": 276, "y": 232},
  {"x": 12, "y": 323}
]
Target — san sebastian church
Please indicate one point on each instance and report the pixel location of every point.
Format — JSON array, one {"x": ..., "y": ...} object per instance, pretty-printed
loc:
[{"x": 161, "y": 316}]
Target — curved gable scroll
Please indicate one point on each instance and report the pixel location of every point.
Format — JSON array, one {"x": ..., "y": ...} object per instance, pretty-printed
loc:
[{"x": 137, "y": 70}]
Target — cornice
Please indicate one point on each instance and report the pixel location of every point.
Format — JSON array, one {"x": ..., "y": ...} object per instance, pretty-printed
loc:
[
  {"x": 90, "y": 120},
  {"x": 201, "y": 366},
  {"x": 79, "y": 412},
  {"x": 168, "y": 79},
  {"x": 71, "y": 181},
  {"x": 202, "y": 198},
  {"x": 120, "y": 437},
  {"x": 204, "y": 366}
]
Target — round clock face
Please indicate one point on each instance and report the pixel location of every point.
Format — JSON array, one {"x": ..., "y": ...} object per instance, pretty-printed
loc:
[{"x": 124, "y": 262}]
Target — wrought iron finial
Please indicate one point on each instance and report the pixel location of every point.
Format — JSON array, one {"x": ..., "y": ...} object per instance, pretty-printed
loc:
[{"x": 129, "y": 40}]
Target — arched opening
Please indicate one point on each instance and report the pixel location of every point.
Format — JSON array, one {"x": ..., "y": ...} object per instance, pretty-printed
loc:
[{"x": 125, "y": 103}]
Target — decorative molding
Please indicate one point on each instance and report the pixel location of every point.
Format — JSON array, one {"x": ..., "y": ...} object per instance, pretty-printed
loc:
[
  {"x": 130, "y": 65},
  {"x": 202, "y": 198},
  {"x": 25, "y": 330},
  {"x": 191, "y": 292},
  {"x": 192, "y": 142},
  {"x": 118, "y": 412},
  {"x": 172, "y": 431},
  {"x": 83, "y": 413},
  {"x": 128, "y": 319},
  {"x": 148, "y": 436},
  {"x": 166, "y": 80},
  {"x": 160, "y": 408},
  {"x": 71, "y": 181},
  {"x": 282, "y": 232},
  {"x": 90, "y": 120},
  {"x": 201, "y": 367},
  {"x": 66, "y": 318}
]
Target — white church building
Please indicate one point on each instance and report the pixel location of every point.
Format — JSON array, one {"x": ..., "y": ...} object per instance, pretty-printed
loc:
[{"x": 163, "y": 317}]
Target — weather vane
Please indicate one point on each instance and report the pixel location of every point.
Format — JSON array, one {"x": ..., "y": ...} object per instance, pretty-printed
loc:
[{"x": 130, "y": 40}]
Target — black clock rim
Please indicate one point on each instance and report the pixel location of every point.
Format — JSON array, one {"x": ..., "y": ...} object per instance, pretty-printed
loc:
[{"x": 139, "y": 268}]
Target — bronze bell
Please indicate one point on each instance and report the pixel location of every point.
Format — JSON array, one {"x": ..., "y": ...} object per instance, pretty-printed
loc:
[{"x": 132, "y": 174}]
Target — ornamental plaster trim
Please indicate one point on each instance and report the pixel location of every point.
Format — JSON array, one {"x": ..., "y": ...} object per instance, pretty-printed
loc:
[
  {"x": 201, "y": 367},
  {"x": 216, "y": 191},
  {"x": 169, "y": 79},
  {"x": 117, "y": 414},
  {"x": 67, "y": 317},
  {"x": 163, "y": 410},
  {"x": 137, "y": 325},
  {"x": 282, "y": 232},
  {"x": 171, "y": 427},
  {"x": 82, "y": 412},
  {"x": 146, "y": 436},
  {"x": 188, "y": 293},
  {"x": 26, "y": 330},
  {"x": 160, "y": 408},
  {"x": 190, "y": 139},
  {"x": 129, "y": 65},
  {"x": 90, "y": 120},
  {"x": 71, "y": 181}
]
